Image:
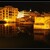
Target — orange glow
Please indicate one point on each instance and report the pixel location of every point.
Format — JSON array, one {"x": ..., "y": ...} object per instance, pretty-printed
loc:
[
  {"x": 44, "y": 20},
  {"x": 10, "y": 20},
  {"x": 10, "y": 24},
  {"x": 6, "y": 24},
  {"x": 39, "y": 19},
  {"x": 10, "y": 13},
  {"x": 6, "y": 20}
]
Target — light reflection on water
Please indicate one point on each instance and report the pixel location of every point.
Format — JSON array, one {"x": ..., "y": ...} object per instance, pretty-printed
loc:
[
  {"x": 11, "y": 29},
  {"x": 23, "y": 33},
  {"x": 7, "y": 29},
  {"x": 13, "y": 35}
]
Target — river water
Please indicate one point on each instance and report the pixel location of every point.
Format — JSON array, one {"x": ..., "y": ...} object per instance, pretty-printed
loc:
[{"x": 13, "y": 35}]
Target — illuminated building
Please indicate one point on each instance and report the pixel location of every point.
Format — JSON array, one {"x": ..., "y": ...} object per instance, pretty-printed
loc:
[
  {"x": 23, "y": 15},
  {"x": 1, "y": 13},
  {"x": 42, "y": 24},
  {"x": 20, "y": 14},
  {"x": 26, "y": 13},
  {"x": 8, "y": 13}
]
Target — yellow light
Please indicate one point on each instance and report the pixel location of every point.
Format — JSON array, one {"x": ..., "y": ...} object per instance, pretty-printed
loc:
[
  {"x": 43, "y": 20},
  {"x": 6, "y": 20},
  {"x": 6, "y": 24},
  {"x": 39, "y": 20}
]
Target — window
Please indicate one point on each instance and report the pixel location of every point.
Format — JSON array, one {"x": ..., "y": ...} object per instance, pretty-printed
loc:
[{"x": 10, "y": 11}]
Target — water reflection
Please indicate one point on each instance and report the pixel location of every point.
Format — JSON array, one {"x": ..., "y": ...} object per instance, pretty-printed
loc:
[
  {"x": 24, "y": 35},
  {"x": 11, "y": 29},
  {"x": 42, "y": 38}
]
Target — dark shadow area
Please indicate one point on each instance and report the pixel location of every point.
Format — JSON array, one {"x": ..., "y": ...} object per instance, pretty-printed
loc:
[{"x": 2, "y": 22}]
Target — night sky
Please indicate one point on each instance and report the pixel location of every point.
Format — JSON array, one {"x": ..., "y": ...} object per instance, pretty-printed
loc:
[{"x": 35, "y": 6}]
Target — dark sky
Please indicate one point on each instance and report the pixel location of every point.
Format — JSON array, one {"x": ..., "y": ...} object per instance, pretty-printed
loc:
[{"x": 35, "y": 6}]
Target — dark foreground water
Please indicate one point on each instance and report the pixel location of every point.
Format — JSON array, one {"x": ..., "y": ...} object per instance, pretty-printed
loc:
[{"x": 13, "y": 35}]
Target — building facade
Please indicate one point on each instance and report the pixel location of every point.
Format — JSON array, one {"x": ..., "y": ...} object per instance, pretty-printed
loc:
[
  {"x": 42, "y": 22},
  {"x": 8, "y": 13}
]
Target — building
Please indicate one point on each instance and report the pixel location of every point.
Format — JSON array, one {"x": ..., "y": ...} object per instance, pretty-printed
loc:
[
  {"x": 23, "y": 15},
  {"x": 26, "y": 13},
  {"x": 1, "y": 13},
  {"x": 8, "y": 13},
  {"x": 42, "y": 24}
]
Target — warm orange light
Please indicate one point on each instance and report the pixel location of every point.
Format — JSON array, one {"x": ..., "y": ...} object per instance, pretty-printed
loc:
[
  {"x": 6, "y": 19},
  {"x": 9, "y": 20},
  {"x": 43, "y": 20},
  {"x": 6, "y": 24}
]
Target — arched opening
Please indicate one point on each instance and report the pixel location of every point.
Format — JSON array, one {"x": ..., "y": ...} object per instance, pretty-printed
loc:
[{"x": 47, "y": 22}]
